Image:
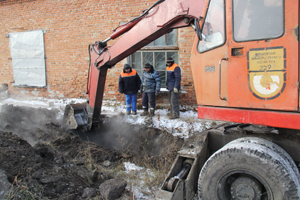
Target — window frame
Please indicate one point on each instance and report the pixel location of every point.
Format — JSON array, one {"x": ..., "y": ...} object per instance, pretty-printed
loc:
[
  {"x": 154, "y": 49},
  {"x": 141, "y": 69},
  {"x": 28, "y": 46}
]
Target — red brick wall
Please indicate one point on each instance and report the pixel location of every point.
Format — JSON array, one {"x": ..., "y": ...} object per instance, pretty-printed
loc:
[{"x": 71, "y": 25}]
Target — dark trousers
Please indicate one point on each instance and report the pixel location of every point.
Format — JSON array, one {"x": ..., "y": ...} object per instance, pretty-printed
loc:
[
  {"x": 173, "y": 98},
  {"x": 148, "y": 97}
]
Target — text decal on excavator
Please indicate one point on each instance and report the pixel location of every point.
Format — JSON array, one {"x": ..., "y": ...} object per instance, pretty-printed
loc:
[{"x": 267, "y": 72}]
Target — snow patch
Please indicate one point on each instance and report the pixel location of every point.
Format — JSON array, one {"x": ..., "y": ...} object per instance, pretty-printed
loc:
[
  {"x": 139, "y": 184},
  {"x": 131, "y": 167}
]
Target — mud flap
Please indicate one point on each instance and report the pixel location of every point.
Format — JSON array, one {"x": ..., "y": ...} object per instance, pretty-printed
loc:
[{"x": 76, "y": 117}]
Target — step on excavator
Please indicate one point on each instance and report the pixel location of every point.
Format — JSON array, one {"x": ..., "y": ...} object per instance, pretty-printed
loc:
[{"x": 245, "y": 66}]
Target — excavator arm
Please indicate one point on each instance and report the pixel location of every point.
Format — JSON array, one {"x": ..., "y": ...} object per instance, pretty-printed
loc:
[{"x": 159, "y": 19}]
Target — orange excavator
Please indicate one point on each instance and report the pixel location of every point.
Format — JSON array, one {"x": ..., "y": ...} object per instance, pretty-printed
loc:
[{"x": 245, "y": 65}]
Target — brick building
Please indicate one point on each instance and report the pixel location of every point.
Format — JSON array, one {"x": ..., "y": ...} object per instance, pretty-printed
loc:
[{"x": 65, "y": 28}]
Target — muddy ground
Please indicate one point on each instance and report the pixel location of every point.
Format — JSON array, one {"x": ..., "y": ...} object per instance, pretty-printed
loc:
[{"x": 41, "y": 160}]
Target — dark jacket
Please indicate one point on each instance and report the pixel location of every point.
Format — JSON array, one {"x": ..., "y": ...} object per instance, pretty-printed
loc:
[
  {"x": 173, "y": 77},
  {"x": 151, "y": 81},
  {"x": 129, "y": 83}
]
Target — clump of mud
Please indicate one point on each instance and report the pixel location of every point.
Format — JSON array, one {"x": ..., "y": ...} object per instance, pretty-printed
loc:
[{"x": 43, "y": 161}]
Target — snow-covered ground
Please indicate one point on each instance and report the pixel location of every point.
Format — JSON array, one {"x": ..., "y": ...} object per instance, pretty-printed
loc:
[{"x": 187, "y": 125}]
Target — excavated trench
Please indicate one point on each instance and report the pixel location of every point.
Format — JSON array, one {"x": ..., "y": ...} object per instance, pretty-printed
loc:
[{"x": 40, "y": 160}]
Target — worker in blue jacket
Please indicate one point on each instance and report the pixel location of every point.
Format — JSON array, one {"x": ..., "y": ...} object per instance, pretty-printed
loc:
[
  {"x": 129, "y": 84},
  {"x": 151, "y": 86},
  {"x": 173, "y": 85}
]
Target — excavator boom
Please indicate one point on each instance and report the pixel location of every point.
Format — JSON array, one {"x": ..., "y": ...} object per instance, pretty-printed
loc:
[{"x": 159, "y": 19}]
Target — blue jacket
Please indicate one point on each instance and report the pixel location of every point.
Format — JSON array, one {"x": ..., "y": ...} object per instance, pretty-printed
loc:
[
  {"x": 129, "y": 83},
  {"x": 151, "y": 81},
  {"x": 173, "y": 77}
]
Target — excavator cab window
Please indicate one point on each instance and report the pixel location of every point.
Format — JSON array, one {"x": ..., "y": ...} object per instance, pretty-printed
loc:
[
  {"x": 257, "y": 19},
  {"x": 213, "y": 31}
]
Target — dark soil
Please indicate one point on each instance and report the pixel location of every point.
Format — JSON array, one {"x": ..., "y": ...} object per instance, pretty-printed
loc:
[{"x": 43, "y": 161}]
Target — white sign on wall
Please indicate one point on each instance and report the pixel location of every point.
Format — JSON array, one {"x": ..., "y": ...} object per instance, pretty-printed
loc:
[{"x": 28, "y": 58}]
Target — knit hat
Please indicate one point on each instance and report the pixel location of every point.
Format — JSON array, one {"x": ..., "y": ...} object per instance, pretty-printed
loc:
[
  {"x": 147, "y": 65},
  {"x": 170, "y": 60},
  {"x": 127, "y": 66}
]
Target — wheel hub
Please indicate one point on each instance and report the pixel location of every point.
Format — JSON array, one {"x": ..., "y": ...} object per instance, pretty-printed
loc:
[{"x": 246, "y": 188}]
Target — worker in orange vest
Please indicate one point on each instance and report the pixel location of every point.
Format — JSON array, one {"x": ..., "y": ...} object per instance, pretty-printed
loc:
[
  {"x": 173, "y": 85},
  {"x": 129, "y": 84}
]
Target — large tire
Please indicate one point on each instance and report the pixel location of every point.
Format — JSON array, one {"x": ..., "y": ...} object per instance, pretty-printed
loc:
[
  {"x": 248, "y": 170},
  {"x": 273, "y": 147}
]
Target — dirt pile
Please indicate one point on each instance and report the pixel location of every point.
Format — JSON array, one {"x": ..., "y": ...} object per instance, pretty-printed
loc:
[
  {"x": 59, "y": 169},
  {"x": 43, "y": 161}
]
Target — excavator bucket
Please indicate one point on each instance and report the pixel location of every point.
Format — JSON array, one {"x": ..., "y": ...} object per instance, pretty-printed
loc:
[{"x": 76, "y": 117}]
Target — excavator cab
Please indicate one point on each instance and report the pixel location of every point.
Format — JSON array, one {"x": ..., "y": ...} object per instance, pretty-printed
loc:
[{"x": 246, "y": 66}]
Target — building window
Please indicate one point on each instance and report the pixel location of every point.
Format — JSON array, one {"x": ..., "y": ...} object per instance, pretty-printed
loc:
[
  {"x": 169, "y": 39},
  {"x": 28, "y": 58},
  {"x": 156, "y": 53}
]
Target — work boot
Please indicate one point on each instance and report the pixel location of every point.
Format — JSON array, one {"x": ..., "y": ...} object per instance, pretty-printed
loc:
[
  {"x": 127, "y": 112},
  {"x": 174, "y": 116},
  {"x": 169, "y": 112},
  {"x": 151, "y": 112},
  {"x": 145, "y": 112},
  {"x": 134, "y": 112}
]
